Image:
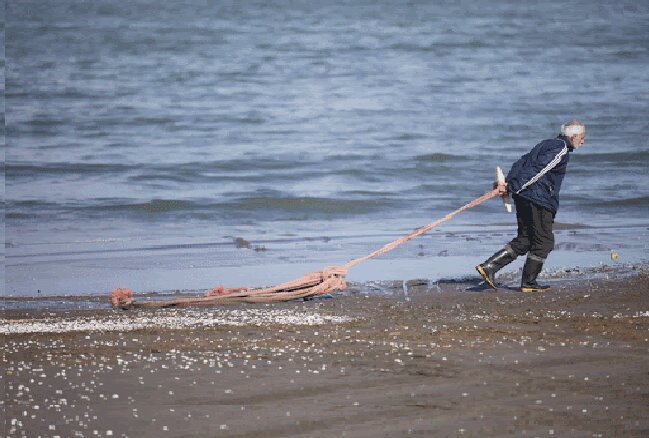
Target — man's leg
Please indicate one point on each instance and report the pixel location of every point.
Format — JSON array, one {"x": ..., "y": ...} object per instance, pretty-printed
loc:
[
  {"x": 518, "y": 246},
  {"x": 525, "y": 219},
  {"x": 541, "y": 244}
]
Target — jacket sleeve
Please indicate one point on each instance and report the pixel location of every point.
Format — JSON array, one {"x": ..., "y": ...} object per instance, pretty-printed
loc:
[{"x": 531, "y": 167}]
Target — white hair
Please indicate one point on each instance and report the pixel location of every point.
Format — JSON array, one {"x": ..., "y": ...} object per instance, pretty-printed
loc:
[{"x": 572, "y": 128}]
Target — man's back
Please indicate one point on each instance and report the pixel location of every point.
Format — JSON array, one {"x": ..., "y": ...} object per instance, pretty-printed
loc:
[{"x": 537, "y": 175}]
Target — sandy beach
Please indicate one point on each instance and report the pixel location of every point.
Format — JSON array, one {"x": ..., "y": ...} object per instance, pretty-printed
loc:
[{"x": 441, "y": 360}]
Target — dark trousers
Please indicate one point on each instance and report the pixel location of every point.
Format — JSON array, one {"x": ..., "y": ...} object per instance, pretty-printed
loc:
[{"x": 534, "y": 230}]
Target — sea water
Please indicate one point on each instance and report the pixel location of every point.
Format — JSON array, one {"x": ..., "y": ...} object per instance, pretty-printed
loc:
[{"x": 186, "y": 144}]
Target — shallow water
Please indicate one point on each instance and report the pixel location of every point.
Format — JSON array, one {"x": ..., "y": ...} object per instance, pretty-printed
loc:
[{"x": 145, "y": 139}]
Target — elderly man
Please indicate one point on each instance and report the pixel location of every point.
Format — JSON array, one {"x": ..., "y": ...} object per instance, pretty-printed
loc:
[{"x": 534, "y": 182}]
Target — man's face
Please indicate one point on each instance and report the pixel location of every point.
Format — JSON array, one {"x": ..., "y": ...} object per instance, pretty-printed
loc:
[{"x": 578, "y": 140}]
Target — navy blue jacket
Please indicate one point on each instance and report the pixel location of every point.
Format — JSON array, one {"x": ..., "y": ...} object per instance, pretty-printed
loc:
[{"x": 538, "y": 174}]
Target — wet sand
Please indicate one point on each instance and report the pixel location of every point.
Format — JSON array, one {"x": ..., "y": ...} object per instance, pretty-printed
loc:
[{"x": 435, "y": 360}]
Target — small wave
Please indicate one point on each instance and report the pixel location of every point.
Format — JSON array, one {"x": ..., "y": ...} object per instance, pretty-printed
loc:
[
  {"x": 410, "y": 136},
  {"x": 181, "y": 172},
  {"x": 253, "y": 164},
  {"x": 153, "y": 120},
  {"x": 439, "y": 157},
  {"x": 275, "y": 204},
  {"x": 44, "y": 121},
  {"x": 154, "y": 206},
  {"x": 249, "y": 165},
  {"x": 353, "y": 157},
  {"x": 620, "y": 158},
  {"x": 367, "y": 194},
  {"x": 642, "y": 201},
  {"x": 629, "y": 54},
  {"x": 17, "y": 170},
  {"x": 413, "y": 47},
  {"x": 226, "y": 171},
  {"x": 33, "y": 208},
  {"x": 13, "y": 215},
  {"x": 306, "y": 205}
]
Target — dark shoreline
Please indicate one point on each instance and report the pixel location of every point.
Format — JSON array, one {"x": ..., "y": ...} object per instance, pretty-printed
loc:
[
  {"x": 560, "y": 278},
  {"x": 191, "y": 265}
]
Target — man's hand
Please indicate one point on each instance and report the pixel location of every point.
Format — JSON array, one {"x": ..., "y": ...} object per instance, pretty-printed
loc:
[{"x": 502, "y": 188}]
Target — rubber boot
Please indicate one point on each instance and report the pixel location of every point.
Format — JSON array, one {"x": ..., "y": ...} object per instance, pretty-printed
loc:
[
  {"x": 531, "y": 270},
  {"x": 493, "y": 264}
]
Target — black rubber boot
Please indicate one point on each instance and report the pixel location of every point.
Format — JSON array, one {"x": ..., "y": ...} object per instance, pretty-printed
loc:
[
  {"x": 531, "y": 270},
  {"x": 493, "y": 264}
]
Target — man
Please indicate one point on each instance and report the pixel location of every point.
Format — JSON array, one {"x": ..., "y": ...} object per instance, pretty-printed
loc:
[{"x": 534, "y": 182}]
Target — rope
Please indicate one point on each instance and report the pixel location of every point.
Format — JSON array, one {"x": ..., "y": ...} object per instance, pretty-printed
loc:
[
  {"x": 419, "y": 231},
  {"x": 311, "y": 284}
]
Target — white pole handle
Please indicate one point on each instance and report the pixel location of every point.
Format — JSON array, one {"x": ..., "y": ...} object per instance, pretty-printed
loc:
[{"x": 500, "y": 178}]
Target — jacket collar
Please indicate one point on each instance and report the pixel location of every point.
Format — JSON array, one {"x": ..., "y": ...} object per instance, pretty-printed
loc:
[{"x": 567, "y": 140}]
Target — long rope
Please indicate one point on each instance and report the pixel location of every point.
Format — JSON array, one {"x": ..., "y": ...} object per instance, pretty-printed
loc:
[
  {"x": 313, "y": 283},
  {"x": 392, "y": 245}
]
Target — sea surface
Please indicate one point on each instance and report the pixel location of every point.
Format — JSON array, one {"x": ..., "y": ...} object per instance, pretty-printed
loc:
[{"x": 185, "y": 144}]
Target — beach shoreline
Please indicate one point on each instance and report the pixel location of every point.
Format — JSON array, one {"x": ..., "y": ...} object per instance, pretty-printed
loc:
[
  {"x": 443, "y": 359},
  {"x": 92, "y": 268}
]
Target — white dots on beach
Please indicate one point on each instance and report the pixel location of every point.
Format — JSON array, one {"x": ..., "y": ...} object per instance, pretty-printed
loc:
[{"x": 172, "y": 319}]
